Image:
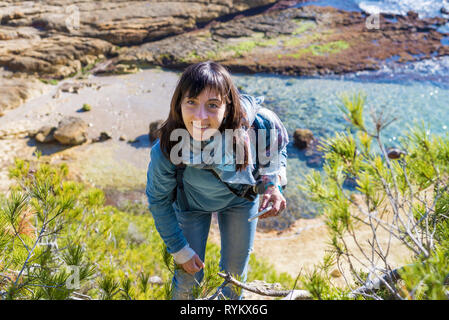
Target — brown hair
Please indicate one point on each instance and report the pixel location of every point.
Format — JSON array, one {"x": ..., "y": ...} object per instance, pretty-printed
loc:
[{"x": 193, "y": 81}]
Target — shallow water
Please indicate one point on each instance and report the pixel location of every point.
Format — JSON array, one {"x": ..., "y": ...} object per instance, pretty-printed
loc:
[{"x": 413, "y": 94}]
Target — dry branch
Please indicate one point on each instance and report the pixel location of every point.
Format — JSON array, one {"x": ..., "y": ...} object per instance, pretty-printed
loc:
[{"x": 287, "y": 294}]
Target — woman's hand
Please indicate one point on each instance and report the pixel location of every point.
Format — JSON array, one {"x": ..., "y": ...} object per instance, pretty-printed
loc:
[
  {"x": 274, "y": 195},
  {"x": 193, "y": 265}
]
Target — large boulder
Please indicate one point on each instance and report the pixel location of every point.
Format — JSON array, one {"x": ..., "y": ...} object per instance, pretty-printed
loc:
[{"x": 71, "y": 131}]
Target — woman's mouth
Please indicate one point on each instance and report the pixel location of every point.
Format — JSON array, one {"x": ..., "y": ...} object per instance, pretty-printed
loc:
[{"x": 200, "y": 127}]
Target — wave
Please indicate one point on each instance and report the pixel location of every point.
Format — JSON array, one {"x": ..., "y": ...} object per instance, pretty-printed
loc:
[
  {"x": 425, "y": 8},
  {"x": 435, "y": 70}
]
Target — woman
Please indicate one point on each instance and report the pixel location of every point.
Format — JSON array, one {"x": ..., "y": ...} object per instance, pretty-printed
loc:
[{"x": 206, "y": 105}]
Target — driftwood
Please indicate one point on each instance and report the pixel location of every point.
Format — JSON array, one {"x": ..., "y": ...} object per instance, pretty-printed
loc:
[
  {"x": 378, "y": 283},
  {"x": 287, "y": 294}
]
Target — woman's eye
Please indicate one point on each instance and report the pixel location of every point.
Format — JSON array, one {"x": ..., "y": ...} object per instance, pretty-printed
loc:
[{"x": 213, "y": 106}]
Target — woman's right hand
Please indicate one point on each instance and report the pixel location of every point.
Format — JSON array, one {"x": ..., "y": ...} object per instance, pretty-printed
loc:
[{"x": 193, "y": 265}]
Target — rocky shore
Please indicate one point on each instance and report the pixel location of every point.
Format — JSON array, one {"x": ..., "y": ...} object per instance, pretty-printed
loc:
[
  {"x": 50, "y": 62},
  {"x": 53, "y": 40},
  {"x": 309, "y": 40}
]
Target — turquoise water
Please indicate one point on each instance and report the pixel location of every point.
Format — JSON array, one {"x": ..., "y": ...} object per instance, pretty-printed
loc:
[
  {"x": 413, "y": 93},
  {"x": 312, "y": 103}
]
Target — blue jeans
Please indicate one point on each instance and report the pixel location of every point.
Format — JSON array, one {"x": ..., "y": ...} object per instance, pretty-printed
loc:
[{"x": 237, "y": 238}]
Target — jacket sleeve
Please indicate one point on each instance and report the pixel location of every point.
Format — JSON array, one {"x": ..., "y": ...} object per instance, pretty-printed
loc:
[{"x": 161, "y": 182}]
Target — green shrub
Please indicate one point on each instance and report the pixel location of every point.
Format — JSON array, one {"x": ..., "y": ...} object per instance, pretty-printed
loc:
[
  {"x": 407, "y": 197},
  {"x": 55, "y": 231}
]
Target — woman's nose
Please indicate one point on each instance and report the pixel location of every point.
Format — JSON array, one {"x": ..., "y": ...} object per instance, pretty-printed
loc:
[{"x": 201, "y": 113}]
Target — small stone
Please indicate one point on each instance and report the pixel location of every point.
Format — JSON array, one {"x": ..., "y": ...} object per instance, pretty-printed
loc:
[
  {"x": 103, "y": 137},
  {"x": 156, "y": 280},
  {"x": 394, "y": 153},
  {"x": 122, "y": 138}
]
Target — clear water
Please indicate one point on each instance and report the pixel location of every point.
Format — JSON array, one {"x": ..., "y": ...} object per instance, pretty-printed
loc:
[{"x": 413, "y": 93}]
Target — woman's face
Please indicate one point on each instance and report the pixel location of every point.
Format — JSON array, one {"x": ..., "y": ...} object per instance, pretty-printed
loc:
[{"x": 203, "y": 114}]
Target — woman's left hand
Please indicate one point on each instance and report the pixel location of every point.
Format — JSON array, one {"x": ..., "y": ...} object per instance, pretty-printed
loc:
[{"x": 273, "y": 195}]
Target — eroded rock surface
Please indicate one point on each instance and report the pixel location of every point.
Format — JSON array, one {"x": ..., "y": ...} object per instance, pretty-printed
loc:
[
  {"x": 15, "y": 89},
  {"x": 119, "y": 22},
  {"x": 60, "y": 38},
  {"x": 309, "y": 40}
]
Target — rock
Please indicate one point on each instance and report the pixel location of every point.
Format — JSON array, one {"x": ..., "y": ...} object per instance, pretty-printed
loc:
[
  {"x": 412, "y": 15},
  {"x": 309, "y": 40},
  {"x": 45, "y": 134},
  {"x": 394, "y": 153},
  {"x": 314, "y": 161},
  {"x": 156, "y": 280},
  {"x": 15, "y": 90},
  {"x": 103, "y": 137},
  {"x": 71, "y": 87},
  {"x": 124, "y": 69},
  {"x": 55, "y": 56},
  {"x": 71, "y": 131},
  {"x": 154, "y": 126},
  {"x": 303, "y": 138},
  {"x": 122, "y": 138},
  {"x": 444, "y": 10},
  {"x": 121, "y": 22}
]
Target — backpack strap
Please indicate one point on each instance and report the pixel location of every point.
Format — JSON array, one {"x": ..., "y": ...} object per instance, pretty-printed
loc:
[
  {"x": 247, "y": 193},
  {"x": 179, "y": 191}
]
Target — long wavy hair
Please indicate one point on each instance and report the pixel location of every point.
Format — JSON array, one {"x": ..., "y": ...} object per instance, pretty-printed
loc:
[{"x": 192, "y": 82}]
